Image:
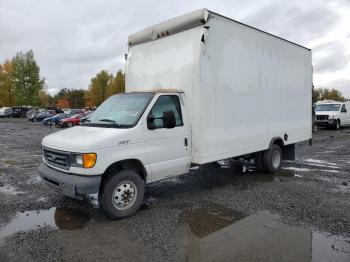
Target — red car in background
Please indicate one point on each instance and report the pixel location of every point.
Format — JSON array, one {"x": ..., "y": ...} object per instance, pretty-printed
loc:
[{"x": 73, "y": 120}]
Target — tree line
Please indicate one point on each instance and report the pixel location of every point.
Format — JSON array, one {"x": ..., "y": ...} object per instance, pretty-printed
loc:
[
  {"x": 21, "y": 85},
  {"x": 327, "y": 94},
  {"x": 20, "y": 81}
]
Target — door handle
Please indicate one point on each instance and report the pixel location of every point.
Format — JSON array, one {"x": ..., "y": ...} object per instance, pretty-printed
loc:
[{"x": 186, "y": 142}]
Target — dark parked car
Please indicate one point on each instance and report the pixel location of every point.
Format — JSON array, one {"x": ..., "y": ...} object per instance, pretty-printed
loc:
[
  {"x": 41, "y": 116},
  {"x": 19, "y": 112}
]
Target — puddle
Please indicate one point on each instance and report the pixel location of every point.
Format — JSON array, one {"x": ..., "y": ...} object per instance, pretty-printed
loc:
[
  {"x": 206, "y": 220},
  {"x": 56, "y": 218},
  {"x": 221, "y": 234},
  {"x": 329, "y": 248},
  {"x": 302, "y": 169},
  {"x": 297, "y": 169},
  {"x": 318, "y": 163}
]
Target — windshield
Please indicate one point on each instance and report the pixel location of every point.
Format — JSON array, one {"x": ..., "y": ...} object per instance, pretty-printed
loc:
[
  {"x": 122, "y": 110},
  {"x": 328, "y": 107}
]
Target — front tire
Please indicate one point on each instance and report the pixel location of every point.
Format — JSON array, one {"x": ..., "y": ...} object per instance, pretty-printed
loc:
[
  {"x": 337, "y": 125},
  {"x": 272, "y": 159},
  {"x": 121, "y": 194}
]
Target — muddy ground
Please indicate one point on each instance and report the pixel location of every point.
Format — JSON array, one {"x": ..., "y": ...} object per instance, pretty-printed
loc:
[{"x": 222, "y": 213}]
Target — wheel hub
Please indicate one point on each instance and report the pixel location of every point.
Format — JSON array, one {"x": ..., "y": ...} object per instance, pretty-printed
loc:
[{"x": 124, "y": 195}]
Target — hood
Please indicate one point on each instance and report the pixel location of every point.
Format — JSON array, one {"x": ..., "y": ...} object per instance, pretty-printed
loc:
[
  {"x": 328, "y": 113},
  {"x": 85, "y": 138}
]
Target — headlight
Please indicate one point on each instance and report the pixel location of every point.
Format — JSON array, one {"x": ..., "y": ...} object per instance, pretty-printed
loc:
[
  {"x": 87, "y": 160},
  {"x": 330, "y": 117}
]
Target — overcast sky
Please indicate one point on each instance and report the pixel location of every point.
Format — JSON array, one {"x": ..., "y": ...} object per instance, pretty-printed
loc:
[{"x": 73, "y": 40}]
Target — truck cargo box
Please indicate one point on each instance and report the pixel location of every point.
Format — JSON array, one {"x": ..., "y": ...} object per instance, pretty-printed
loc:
[{"x": 243, "y": 86}]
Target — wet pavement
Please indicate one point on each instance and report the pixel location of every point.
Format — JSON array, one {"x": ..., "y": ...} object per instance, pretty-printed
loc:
[{"x": 222, "y": 212}]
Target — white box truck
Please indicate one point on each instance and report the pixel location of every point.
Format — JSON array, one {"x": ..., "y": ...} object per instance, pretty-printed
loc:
[
  {"x": 332, "y": 114},
  {"x": 200, "y": 88}
]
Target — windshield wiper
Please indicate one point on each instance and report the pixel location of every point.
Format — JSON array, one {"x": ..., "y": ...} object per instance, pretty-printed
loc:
[
  {"x": 107, "y": 120},
  {"x": 113, "y": 123}
]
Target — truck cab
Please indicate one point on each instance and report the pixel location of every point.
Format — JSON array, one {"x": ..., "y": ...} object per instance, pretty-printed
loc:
[
  {"x": 129, "y": 133},
  {"x": 332, "y": 114}
]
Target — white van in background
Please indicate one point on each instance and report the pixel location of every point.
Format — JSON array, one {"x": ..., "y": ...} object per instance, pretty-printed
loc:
[{"x": 332, "y": 113}]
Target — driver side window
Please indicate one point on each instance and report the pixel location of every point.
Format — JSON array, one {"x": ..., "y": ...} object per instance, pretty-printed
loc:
[
  {"x": 343, "y": 108},
  {"x": 166, "y": 103}
]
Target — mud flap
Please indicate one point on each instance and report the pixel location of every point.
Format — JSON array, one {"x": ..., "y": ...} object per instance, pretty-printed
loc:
[{"x": 288, "y": 152}]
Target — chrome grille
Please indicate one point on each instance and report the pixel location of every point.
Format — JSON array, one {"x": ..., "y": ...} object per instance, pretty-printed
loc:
[
  {"x": 56, "y": 158},
  {"x": 322, "y": 117}
]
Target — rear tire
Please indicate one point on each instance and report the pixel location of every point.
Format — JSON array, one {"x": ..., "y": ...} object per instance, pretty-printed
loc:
[
  {"x": 272, "y": 159},
  {"x": 121, "y": 194}
]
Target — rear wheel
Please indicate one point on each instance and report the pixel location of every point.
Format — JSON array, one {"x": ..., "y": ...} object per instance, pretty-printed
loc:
[
  {"x": 121, "y": 194},
  {"x": 272, "y": 159}
]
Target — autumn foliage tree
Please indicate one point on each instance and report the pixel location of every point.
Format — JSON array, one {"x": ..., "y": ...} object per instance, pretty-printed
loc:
[
  {"x": 70, "y": 98},
  {"x": 20, "y": 81},
  {"x": 27, "y": 81},
  {"x": 104, "y": 85},
  {"x": 7, "y": 87},
  {"x": 21, "y": 84},
  {"x": 117, "y": 84},
  {"x": 327, "y": 94}
]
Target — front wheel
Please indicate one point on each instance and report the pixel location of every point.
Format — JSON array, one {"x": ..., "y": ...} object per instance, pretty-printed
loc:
[
  {"x": 337, "y": 125},
  {"x": 272, "y": 159},
  {"x": 121, "y": 194}
]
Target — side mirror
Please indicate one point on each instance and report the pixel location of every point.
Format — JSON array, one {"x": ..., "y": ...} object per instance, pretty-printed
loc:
[
  {"x": 150, "y": 122},
  {"x": 169, "y": 120}
]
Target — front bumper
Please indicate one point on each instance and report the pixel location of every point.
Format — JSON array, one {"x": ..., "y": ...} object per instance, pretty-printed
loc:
[
  {"x": 329, "y": 122},
  {"x": 70, "y": 184}
]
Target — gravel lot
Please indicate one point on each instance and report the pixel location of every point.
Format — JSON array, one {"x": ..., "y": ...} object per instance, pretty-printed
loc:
[{"x": 222, "y": 213}]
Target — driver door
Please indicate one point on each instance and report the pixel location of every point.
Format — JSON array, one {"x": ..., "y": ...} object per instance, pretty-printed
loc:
[
  {"x": 169, "y": 151},
  {"x": 345, "y": 115}
]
